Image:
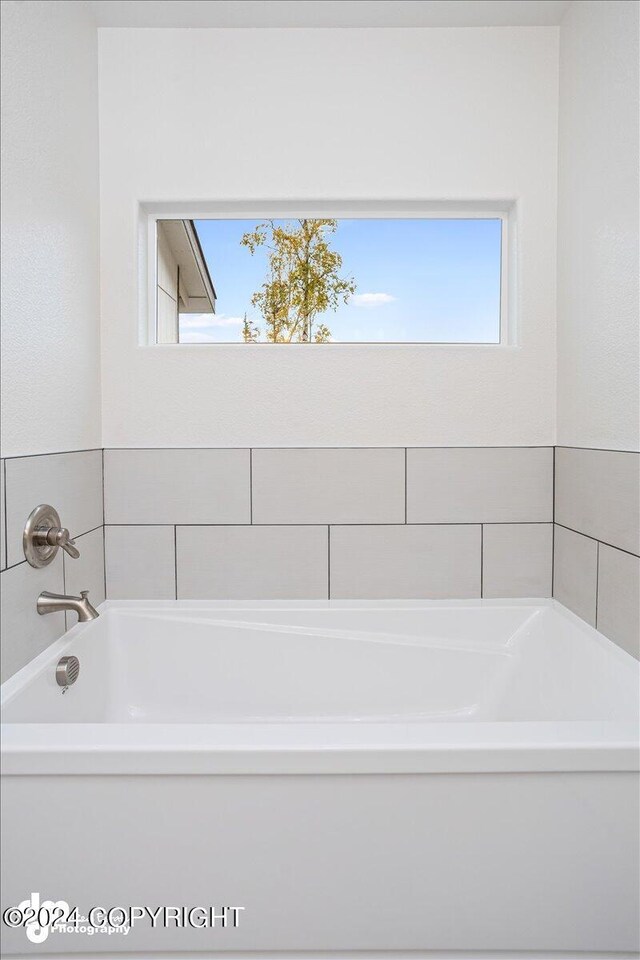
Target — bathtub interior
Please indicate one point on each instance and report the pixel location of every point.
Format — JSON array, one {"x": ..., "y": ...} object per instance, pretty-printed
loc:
[{"x": 420, "y": 662}]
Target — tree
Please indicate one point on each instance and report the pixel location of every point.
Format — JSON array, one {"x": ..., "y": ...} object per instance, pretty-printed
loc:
[
  {"x": 250, "y": 332},
  {"x": 302, "y": 280}
]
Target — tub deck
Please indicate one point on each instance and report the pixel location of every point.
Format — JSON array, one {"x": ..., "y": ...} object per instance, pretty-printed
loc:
[{"x": 277, "y": 687}]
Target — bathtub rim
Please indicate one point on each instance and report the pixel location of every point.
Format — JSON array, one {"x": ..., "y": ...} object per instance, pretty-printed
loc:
[{"x": 327, "y": 748}]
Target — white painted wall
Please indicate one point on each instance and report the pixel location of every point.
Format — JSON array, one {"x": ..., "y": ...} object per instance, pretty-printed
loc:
[
  {"x": 372, "y": 114},
  {"x": 50, "y": 285},
  {"x": 598, "y": 329},
  {"x": 426, "y": 114}
]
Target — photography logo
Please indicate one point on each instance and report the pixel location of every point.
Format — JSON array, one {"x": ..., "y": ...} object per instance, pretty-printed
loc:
[{"x": 36, "y": 916}]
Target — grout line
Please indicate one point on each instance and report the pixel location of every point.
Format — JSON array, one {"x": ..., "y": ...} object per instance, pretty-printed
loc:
[
  {"x": 85, "y": 533},
  {"x": 64, "y": 587},
  {"x": 104, "y": 559},
  {"x": 355, "y": 523},
  {"x": 54, "y": 453},
  {"x": 103, "y": 496},
  {"x": 485, "y": 446},
  {"x": 595, "y": 539},
  {"x": 553, "y": 488},
  {"x": 565, "y": 446},
  {"x": 104, "y": 533},
  {"x": 481, "y": 560},
  {"x": 175, "y": 558},
  {"x": 405, "y": 484},
  {"x": 167, "y": 523},
  {"x": 328, "y": 563},
  {"x": 4, "y": 506},
  {"x": 347, "y": 446},
  {"x": 553, "y": 525},
  {"x": 14, "y": 565},
  {"x": 597, "y": 581}
]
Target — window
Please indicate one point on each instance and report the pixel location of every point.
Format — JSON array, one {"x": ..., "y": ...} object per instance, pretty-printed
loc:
[{"x": 317, "y": 281}]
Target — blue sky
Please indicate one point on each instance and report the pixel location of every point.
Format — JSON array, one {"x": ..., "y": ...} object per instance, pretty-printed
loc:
[{"x": 431, "y": 280}]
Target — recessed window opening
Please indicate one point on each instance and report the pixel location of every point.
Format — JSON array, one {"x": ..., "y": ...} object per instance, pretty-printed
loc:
[{"x": 317, "y": 281}]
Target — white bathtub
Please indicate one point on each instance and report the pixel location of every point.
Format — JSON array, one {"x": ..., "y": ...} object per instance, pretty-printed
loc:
[{"x": 363, "y": 778}]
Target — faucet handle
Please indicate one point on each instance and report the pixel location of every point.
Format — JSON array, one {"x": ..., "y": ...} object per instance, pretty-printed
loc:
[{"x": 61, "y": 538}]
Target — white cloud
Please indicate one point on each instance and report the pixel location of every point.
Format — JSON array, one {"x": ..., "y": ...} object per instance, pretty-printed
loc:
[
  {"x": 371, "y": 299},
  {"x": 200, "y": 321}
]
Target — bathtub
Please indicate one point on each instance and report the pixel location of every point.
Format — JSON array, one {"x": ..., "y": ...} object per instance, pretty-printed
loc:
[{"x": 442, "y": 778}]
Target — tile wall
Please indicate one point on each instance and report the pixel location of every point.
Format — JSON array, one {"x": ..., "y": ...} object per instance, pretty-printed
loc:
[
  {"x": 327, "y": 523},
  {"x": 597, "y": 540},
  {"x": 318, "y": 523},
  {"x": 72, "y": 483}
]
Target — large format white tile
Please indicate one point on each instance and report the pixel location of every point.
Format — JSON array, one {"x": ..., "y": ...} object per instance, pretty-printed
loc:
[
  {"x": 517, "y": 559},
  {"x": 3, "y": 540},
  {"x": 87, "y": 572},
  {"x": 575, "y": 572},
  {"x": 70, "y": 482},
  {"x": 598, "y": 493},
  {"x": 405, "y": 561},
  {"x": 177, "y": 486},
  {"x": 25, "y": 633},
  {"x": 263, "y": 562},
  {"x": 140, "y": 562},
  {"x": 328, "y": 486},
  {"x": 480, "y": 485},
  {"x": 619, "y": 598}
]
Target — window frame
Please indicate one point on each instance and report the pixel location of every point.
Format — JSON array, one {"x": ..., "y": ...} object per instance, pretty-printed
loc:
[{"x": 151, "y": 213}]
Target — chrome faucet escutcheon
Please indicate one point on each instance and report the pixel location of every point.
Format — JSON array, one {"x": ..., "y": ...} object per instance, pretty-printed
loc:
[
  {"x": 44, "y": 535},
  {"x": 55, "y": 602}
]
